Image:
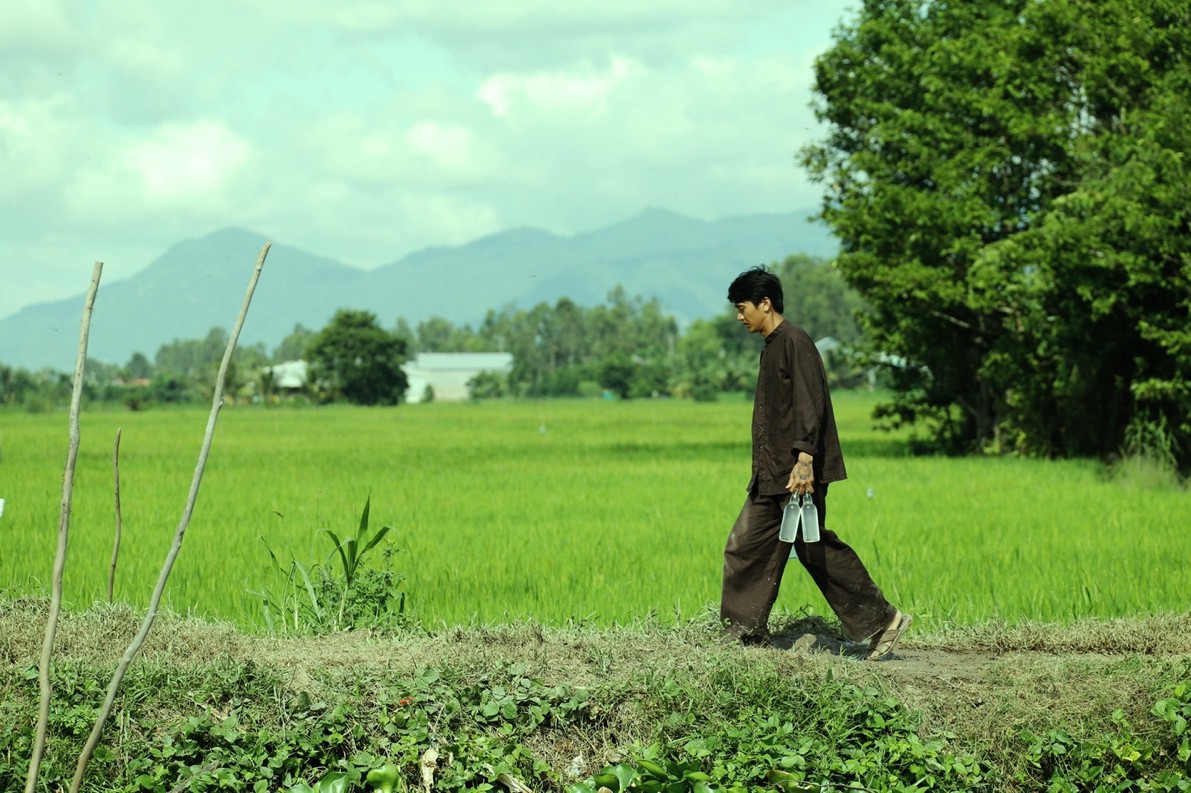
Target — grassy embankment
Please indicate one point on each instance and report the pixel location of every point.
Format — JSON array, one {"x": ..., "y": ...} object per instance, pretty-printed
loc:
[{"x": 1089, "y": 706}]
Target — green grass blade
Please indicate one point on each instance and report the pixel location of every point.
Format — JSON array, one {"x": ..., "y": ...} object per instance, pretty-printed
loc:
[
  {"x": 380, "y": 535},
  {"x": 339, "y": 550}
]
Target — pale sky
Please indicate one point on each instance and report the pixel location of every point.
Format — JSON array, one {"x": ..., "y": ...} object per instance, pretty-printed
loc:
[{"x": 363, "y": 130}]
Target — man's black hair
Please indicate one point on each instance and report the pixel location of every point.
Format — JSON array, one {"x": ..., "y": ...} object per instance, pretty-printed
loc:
[{"x": 754, "y": 285}]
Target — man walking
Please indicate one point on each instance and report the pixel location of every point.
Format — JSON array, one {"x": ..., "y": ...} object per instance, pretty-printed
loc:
[{"x": 796, "y": 451}]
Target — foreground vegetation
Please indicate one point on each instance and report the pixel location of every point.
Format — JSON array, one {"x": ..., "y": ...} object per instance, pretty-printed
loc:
[{"x": 1100, "y": 705}]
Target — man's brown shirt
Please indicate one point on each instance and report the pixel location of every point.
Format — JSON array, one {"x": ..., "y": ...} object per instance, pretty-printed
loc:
[{"x": 792, "y": 413}]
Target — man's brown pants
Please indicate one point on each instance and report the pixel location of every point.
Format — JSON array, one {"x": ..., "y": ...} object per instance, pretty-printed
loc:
[{"x": 755, "y": 559}]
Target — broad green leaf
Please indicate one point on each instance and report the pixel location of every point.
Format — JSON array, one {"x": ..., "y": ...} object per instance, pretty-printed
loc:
[
  {"x": 380, "y": 535},
  {"x": 625, "y": 774},
  {"x": 334, "y": 782},
  {"x": 384, "y": 779}
]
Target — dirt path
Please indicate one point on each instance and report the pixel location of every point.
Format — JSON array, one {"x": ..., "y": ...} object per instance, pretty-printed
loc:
[
  {"x": 905, "y": 660},
  {"x": 937, "y": 664},
  {"x": 1000, "y": 682}
]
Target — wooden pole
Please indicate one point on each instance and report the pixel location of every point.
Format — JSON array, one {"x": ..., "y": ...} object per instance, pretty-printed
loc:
[
  {"x": 119, "y": 521},
  {"x": 180, "y": 534},
  {"x": 51, "y": 630}
]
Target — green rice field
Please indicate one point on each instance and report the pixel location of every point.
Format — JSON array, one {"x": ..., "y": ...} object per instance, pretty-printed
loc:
[{"x": 586, "y": 510}]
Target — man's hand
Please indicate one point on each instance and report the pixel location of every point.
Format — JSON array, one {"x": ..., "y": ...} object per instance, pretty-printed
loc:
[{"x": 802, "y": 477}]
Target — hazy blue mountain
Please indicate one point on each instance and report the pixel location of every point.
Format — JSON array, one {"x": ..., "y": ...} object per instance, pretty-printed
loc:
[
  {"x": 199, "y": 284},
  {"x": 194, "y": 286}
]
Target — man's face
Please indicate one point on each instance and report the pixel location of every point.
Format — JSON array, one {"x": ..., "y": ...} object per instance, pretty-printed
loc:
[{"x": 752, "y": 316}]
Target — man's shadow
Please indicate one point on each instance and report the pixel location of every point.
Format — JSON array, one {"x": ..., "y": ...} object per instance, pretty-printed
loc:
[{"x": 814, "y": 634}]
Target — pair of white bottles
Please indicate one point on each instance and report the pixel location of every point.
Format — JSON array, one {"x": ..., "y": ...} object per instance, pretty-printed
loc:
[{"x": 799, "y": 511}]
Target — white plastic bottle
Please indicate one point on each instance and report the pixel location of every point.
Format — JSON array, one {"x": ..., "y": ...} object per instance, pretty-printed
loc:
[
  {"x": 790, "y": 517},
  {"x": 810, "y": 520}
]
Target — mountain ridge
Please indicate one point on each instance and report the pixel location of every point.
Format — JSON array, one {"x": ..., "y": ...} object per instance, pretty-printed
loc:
[{"x": 198, "y": 283}]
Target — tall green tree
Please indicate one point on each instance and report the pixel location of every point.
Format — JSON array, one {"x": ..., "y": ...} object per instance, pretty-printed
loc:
[
  {"x": 16, "y": 385},
  {"x": 192, "y": 357},
  {"x": 355, "y": 359},
  {"x": 293, "y": 347},
  {"x": 193, "y": 364},
  {"x": 633, "y": 344},
  {"x": 1099, "y": 336},
  {"x": 701, "y": 362},
  {"x": 408, "y": 335},
  {"x": 1008, "y": 181},
  {"x": 438, "y": 334},
  {"x": 818, "y": 298},
  {"x": 138, "y": 367}
]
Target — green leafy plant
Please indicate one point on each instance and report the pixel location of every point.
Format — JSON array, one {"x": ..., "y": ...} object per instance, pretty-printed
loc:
[
  {"x": 386, "y": 779},
  {"x": 295, "y": 606},
  {"x": 352, "y": 550},
  {"x": 303, "y": 601},
  {"x": 334, "y": 782},
  {"x": 1120, "y": 760},
  {"x": 1175, "y": 710},
  {"x": 647, "y": 776}
]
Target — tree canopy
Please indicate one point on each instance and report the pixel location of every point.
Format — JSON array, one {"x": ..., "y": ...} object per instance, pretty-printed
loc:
[
  {"x": 1009, "y": 183},
  {"x": 356, "y": 359}
]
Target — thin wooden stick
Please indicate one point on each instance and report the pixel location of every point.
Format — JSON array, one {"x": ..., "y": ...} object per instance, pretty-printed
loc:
[
  {"x": 116, "y": 544},
  {"x": 180, "y": 534},
  {"x": 51, "y": 629}
]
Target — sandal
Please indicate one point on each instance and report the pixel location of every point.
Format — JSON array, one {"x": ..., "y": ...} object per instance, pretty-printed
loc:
[{"x": 883, "y": 643}]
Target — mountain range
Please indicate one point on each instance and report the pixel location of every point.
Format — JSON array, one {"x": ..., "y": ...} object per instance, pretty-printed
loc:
[{"x": 198, "y": 284}]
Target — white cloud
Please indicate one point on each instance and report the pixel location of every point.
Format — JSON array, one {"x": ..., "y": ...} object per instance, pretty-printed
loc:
[
  {"x": 34, "y": 26},
  {"x": 187, "y": 160},
  {"x": 513, "y": 18},
  {"x": 21, "y": 146},
  {"x": 576, "y": 95},
  {"x": 365, "y": 129},
  {"x": 452, "y": 149}
]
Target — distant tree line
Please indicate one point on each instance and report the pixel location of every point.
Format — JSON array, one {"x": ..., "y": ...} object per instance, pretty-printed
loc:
[{"x": 628, "y": 346}]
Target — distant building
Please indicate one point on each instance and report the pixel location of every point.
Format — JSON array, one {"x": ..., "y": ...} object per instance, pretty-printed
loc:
[
  {"x": 289, "y": 377},
  {"x": 447, "y": 373}
]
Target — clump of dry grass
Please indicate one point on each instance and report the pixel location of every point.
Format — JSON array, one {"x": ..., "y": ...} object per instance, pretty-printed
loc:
[{"x": 100, "y": 635}]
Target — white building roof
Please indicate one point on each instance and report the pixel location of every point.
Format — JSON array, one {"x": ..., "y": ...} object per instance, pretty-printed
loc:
[
  {"x": 291, "y": 374},
  {"x": 474, "y": 361}
]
